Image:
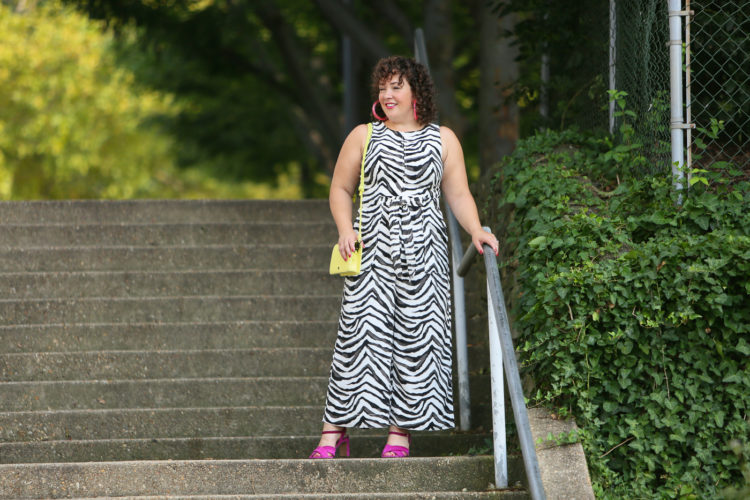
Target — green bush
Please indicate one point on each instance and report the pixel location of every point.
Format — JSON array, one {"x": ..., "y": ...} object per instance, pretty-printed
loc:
[{"x": 633, "y": 311}]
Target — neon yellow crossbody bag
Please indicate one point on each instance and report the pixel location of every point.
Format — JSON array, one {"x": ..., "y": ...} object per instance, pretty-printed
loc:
[{"x": 352, "y": 266}]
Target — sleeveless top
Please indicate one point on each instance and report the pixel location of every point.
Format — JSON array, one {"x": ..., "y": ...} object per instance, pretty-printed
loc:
[{"x": 403, "y": 227}]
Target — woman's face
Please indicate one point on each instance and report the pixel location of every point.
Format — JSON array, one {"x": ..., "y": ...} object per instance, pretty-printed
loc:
[{"x": 396, "y": 98}]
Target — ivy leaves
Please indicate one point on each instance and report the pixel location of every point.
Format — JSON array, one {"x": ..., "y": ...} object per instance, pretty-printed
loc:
[{"x": 634, "y": 313}]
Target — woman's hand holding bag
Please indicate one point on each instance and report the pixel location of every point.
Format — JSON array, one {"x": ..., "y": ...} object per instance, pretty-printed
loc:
[
  {"x": 348, "y": 267},
  {"x": 352, "y": 265}
]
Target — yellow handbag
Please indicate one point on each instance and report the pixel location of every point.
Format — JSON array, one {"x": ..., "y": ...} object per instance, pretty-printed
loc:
[{"x": 351, "y": 266}]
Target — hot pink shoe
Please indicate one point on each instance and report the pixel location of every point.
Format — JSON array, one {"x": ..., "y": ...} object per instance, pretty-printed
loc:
[
  {"x": 397, "y": 451},
  {"x": 330, "y": 451}
]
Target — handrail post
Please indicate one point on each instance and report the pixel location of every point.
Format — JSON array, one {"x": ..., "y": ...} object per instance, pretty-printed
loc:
[
  {"x": 459, "y": 300},
  {"x": 459, "y": 314},
  {"x": 499, "y": 439}
]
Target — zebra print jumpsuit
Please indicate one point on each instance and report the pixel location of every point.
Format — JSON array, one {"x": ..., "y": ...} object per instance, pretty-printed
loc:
[{"x": 392, "y": 359}]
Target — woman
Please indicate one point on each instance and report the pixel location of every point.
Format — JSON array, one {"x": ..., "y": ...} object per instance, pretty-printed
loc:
[{"x": 392, "y": 360}]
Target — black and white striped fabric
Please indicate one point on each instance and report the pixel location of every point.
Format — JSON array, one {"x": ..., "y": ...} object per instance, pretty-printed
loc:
[{"x": 392, "y": 360}]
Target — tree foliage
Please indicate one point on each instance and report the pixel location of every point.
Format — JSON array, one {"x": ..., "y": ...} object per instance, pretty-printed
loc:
[
  {"x": 72, "y": 123},
  {"x": 76, "y": 123},
  {"x": 573, "y": 35},
  {"x": 262, "y": 83}
]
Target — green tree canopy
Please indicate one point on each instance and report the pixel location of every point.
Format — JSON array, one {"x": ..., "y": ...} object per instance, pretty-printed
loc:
[
  {"x": 262, "y": 80},
  {"x": 71, "y": 120},
  {"x": 75, "y": 122}
]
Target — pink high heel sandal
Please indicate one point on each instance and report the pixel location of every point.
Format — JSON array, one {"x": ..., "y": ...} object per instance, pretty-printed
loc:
[
  {"x": 397, "y": 451},
  {"x": 330, "y": 451}
]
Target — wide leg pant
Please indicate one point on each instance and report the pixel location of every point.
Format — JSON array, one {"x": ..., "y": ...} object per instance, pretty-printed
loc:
[{"x": 392, "y": 359}]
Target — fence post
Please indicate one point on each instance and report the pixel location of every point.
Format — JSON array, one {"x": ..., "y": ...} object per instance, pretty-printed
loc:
[
  {"x": 612, "y": 61},
  {"x": 688, "y": 97},
  {"x": 675, "y": 91},
  {"x": 544, "y": 77}
]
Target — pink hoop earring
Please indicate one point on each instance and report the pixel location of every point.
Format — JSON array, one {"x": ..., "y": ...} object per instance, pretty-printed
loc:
[
  {"x": 375, "y": 113},
  {"x": 414, "y": 107}
]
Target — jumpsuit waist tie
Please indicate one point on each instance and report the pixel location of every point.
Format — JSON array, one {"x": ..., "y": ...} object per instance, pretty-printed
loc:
[{"x": 406, "y": 234}]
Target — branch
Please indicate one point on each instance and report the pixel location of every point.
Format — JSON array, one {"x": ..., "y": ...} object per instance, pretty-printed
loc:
[
  {"x": 399, "y": 19},
  {"x": 310, "y": 95},
  {"x": 614, "y": 448},
  {"x": 598, "y": 192},
  {"x": 306, "y": 133},
  {"x": 341, "y": 17}
]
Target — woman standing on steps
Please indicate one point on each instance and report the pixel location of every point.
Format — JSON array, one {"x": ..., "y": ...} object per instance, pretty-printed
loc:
[{"x": 392, "y": 360}]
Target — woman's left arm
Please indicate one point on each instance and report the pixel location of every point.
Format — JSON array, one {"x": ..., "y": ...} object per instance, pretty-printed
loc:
[{"x": 455, "y": 186}]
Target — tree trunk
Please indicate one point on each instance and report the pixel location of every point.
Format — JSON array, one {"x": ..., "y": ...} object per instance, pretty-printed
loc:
[
  {"x": 313, "y": 99},
  {"x": 498, "y": 112},
  {"x": 25, "y": 6},
  {"x": 438, "y": 31}
]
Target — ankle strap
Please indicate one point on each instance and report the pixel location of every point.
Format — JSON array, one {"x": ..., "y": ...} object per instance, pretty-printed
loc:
[
  {"x": 399, "y": 433},
  {"x": 342, "y": 431}
]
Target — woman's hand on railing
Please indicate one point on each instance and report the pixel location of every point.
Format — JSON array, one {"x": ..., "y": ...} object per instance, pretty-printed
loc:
[
  {"x": 478, "y": 239},
  {"x": 482, "y": 237}
]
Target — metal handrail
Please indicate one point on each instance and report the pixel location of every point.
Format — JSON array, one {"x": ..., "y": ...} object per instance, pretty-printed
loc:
[
  {"x": 502, "y": 353},
  {"x": 501, "y": 340}
]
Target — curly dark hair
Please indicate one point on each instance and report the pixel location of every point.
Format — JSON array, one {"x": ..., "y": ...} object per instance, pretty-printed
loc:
[{"x": 419, "y": 81}]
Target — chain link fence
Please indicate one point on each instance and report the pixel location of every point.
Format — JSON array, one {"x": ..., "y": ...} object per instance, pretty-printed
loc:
[
  {"x": 639, "y": 35},
  {"x": 571, "y": 53},
  {"x": 717, "y": 67},
  {"x": 719, "y": 72}
]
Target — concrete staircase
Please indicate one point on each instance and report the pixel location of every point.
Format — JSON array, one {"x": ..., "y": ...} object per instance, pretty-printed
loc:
[{"x": 180, "y": 349}]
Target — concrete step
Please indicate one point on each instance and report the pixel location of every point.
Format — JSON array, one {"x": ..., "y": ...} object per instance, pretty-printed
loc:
[
  {"x": 166, "y": 258},
  {"x": 223, "y": 448},
  {"x": 199, "y": 363},
  {"x": 151, "y": 211},
  {"x": 169, "y": 309},
  {"x": 164, "y": 336},
  {"x": 155, "y": 283},
  {"x": 163, "y": 393},
  {"x": 257, "y": 477},
  {"x": 188, "y": 234},
  {"x": 162, "y": 423},
  {"x": 145, "y": 330},
  {"x": 509, "y": 494},
  {"x": 122, "y": 365},
  {"x": 514, "y": 494},
  {"x": 178, "y": 393},
  {"x": 158, "y": 423}
]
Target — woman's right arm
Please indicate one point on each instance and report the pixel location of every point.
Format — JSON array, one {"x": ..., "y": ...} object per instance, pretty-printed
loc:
[{"x": 345, "y": 181}]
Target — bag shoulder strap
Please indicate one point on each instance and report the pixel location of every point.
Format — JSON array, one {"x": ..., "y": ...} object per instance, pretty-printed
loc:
[{"x": 362, "y": 177}]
